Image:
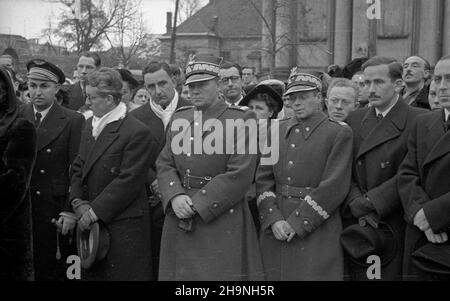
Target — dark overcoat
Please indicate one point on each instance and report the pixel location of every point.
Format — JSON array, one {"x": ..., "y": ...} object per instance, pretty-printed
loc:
[
  {"x": 315, "y": 159},
  {"x": 424, "y": 182},
  {"x": 77, "y": 98},
  {"x": 379, "y": 148},
  {"x": 17, "y": 153},
  {"x": 146, "y": 115},
  {"x": 222, "y": 243},
  {"x": 110, "y": 173},
  {"x": 58, "y": 140}
]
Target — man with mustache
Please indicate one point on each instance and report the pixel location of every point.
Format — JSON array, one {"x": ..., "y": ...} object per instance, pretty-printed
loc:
[
  {"x": 380, "y": 134},
  {"x": 415, "y": 72},
  {"x": 424, "y": 184},
  {"x": 231, "y": 83}
]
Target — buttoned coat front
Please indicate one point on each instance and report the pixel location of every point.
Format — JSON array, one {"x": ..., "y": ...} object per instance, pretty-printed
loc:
[
  {"x": 109, "y": 172},
  {"x": 315, "y": 157},
  {"x": 424, "y": 182},
  {"x": 58, "y": 140},
  {"x": 222, "y": 244},
  {"x": 379, "y": 148}
]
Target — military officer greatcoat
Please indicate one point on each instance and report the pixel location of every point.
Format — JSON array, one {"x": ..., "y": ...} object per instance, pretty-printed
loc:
[
  {"x": 305, "y": 187},
  {"x": 221, "y": 241}
]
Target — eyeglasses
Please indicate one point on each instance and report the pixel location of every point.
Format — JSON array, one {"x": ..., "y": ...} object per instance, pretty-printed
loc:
[
  {"x": 234, "y": 79},
  {"x": 345, "y": 102}
]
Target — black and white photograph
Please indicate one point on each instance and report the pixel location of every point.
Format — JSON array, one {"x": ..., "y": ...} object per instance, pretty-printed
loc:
[{"x": 224, "y": 147}]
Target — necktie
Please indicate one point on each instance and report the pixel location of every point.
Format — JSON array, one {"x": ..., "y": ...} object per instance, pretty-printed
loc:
[
  {"x": 447, "y": 124},
  {"x": 379, "y": 116},
  {"x": 37, "y": 122}
]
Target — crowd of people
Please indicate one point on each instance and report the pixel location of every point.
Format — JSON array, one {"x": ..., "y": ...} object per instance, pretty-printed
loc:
[{"x": 362, "y": 170}]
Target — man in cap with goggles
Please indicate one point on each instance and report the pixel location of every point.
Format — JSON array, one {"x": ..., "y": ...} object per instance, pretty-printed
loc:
[{"x": 299, "y": 196}]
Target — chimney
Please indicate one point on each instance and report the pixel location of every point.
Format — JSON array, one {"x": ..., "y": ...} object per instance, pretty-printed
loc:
[{"x": 169, "y": 22}]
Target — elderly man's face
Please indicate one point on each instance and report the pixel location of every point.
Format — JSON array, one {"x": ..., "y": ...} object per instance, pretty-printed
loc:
[
  {"x": 341, "y": 102},
  {"x": 442, "y": 79},
  {"x": 414, "y": 70},
  {"x": 305, "y": 103},
  {"x": 231, "y": 83}
]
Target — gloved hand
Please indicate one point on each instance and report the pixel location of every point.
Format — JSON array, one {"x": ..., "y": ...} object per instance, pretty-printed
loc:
[
  {"x": 361, "y": 206},
  {"x": 87, "y": 219},
  {"x": 80, "y": 207},
  {"x": 66, "y": 222}
]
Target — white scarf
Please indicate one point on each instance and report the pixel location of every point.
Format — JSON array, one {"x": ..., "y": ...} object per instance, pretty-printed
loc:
[
  {"x": 99, "y": 123},
  {"x": 165, "y": 115}
]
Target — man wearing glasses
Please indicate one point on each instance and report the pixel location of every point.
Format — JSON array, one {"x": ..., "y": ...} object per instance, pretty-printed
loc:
[
  {"x": 342, "y": 99},
  {"x": 231, "y": 83}
]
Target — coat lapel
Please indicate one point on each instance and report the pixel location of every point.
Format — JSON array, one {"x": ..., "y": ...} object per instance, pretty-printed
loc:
[
  {"x": 104, "y": 141},
  {"x": 51, "y": 127},
  {"x": 387, "y": 129},
  {"x": 437, "y": 139}
]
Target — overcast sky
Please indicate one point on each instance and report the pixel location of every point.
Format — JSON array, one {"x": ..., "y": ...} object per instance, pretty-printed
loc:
[{"x": 28, "y": 17}]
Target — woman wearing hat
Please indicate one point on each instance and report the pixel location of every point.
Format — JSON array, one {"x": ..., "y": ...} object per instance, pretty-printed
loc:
[{"x": 266, "y": 103}]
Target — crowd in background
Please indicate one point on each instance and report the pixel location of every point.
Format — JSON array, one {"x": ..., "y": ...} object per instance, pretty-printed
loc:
[{"x": 361, "y": 165}]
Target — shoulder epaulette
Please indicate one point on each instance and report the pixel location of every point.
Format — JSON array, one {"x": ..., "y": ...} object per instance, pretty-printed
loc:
[
  {"x": 286, "y": 118},
  {"x": 241, "y": 108},
  {"x": 183, "y": 108},
  {"x": 342, "y": 123}
]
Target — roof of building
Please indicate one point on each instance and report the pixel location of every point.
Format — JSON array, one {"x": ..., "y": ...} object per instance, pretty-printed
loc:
[{"x": 234, "y": 18}]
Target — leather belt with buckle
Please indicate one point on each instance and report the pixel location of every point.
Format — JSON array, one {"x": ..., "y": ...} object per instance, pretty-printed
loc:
[{"x": 195, "y": 182}]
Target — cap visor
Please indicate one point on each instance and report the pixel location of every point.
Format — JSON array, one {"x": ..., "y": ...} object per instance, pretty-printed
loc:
[
  {"x": 299, "y": 89},
  {"x": 198, "y": 78}
]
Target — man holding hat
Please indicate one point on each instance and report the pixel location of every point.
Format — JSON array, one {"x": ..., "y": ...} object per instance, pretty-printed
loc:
[
  {"x": 108, "y": 185},
  {"x": 208, "y": 232},
  {"x": 58, "y": 138},
  {"x": 424, "y": 188},
  {"x": 300, "y": 194},
  {"x": 380, "y": 133}
]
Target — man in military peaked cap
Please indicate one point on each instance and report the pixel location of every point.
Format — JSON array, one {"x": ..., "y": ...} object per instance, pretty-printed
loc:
[
  {"x": 299, "y": 195},
  {"x": 58, "y": 137},
  {"x": 208, "y": 232}
]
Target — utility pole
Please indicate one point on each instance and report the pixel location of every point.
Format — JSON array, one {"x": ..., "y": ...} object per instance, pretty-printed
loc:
[{"x": 174, "y": 34}]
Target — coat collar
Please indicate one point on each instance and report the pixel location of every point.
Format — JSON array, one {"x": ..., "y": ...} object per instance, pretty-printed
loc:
[
  {"x": 307, "y": 127},
  {"x": 376, "y": 133},
  {"x": 52, "y": 125},
  {"x": 109, "y": 134},
  {"x": 436, "y": 138}
]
